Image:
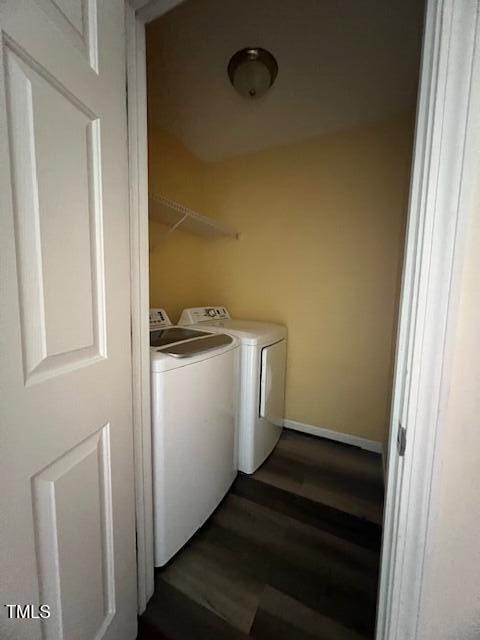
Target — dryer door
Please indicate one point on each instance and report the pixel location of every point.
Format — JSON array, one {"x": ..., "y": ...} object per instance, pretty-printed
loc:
[{"x": 272, "y": 385}]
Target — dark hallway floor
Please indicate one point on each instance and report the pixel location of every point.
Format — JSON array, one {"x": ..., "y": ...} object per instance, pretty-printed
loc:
[{"x": 291, "y": 553}]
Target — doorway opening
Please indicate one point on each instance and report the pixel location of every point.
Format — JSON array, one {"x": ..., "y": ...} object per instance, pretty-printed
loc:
[{"x": 291, "y": 208}]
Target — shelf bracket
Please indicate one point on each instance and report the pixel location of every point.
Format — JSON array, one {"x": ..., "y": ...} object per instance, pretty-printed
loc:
[{"x": 177, "y": 224}]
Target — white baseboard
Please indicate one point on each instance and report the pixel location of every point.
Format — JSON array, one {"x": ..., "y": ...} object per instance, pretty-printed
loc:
[{"x": 346, "y": 438}]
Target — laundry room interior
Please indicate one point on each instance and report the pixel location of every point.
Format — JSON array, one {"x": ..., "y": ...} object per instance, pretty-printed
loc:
[{"x": 280, "y": 142}]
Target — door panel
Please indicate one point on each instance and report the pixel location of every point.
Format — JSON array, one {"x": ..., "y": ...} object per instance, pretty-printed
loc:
[
  {"x": 272, "y": 393},
  {"x": 71, "y": 557},
  {"x": 67, "y": 502},
  {"x": 55, "y": 148},
  {"x": 77, "y": 20}
]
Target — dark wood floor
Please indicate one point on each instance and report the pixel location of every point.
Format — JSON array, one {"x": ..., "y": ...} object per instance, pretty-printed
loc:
[{"x": 291, "y": 553}]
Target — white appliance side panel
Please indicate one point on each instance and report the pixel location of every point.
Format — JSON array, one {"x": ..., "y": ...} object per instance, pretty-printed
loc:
[
  {"x": 248, "y": 407},
  {"x": 194, "y": 411},
  {"x": 257, "y": 436},
  {"x": 272, "y": 392}
]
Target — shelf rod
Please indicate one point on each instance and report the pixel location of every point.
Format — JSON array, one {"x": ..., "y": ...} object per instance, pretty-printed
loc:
[{"x": 217, "y": 228}]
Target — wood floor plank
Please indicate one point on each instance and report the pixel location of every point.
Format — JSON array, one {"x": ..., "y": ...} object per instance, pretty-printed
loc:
[
  {"x": 340, "y": 499},
  {"x": 177, "y": 617},
  {"x": 340, "y": 486},
  {"x": 147, "y": 631},
  {"x": 342, "y": 524},
  {"x": 280, "y": 616},
  {"x": 298, "y": 542},
  {"x": 317, "y": 581},
  {"x": 269, "y": 627},
  {"x": 211, "y": 575},
  {"x": 330, "y": 597},
  {"x": 362, "y": 465},
  {"x": 291, "y": 553}
]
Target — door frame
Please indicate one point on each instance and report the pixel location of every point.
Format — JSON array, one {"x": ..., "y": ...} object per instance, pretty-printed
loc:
[
  {"x": 442, "y": 187},
  {"x": 139, "y": 286},
  {"x": 137, "y": 14},
  {"x": 443, "y": 183}
]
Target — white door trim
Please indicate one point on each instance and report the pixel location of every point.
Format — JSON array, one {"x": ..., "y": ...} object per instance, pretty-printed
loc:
[
  {"x": 447, "y": 118},
  {"x": 137, "y": 13},
  {"x": 138, "y": 187},
  {"x": 445, "y": 158}
]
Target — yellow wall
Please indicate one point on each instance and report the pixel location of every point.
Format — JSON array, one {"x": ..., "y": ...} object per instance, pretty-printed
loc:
[
  {"x": 175, "y": 267},
  {"x": 321, "y": 227}
]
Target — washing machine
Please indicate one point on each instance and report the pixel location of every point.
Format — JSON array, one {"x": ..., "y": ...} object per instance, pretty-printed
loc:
[
  {"x": 262, "y": 379},
  {"x": 194, "y": 389}
]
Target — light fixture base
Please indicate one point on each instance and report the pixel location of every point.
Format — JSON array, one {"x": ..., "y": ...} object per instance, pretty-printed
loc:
[{"x": 252, "y": 71}]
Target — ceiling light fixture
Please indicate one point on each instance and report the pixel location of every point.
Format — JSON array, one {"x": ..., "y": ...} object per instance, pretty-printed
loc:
[{"x": 252, "y": 71}]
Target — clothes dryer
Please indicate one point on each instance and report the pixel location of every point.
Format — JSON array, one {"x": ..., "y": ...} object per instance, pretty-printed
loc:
[{"x": 262, "y": 379}]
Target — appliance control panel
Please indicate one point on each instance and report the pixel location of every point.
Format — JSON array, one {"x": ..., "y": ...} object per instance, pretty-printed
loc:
[
  {"x": 200, "y": 314},
  {"x": 159, "y": 319}
]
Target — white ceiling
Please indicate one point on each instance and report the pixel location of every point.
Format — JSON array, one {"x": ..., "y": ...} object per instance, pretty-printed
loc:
[{"x": 341, "y": 63}]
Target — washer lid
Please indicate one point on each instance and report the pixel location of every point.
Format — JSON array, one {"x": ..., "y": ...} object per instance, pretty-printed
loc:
[
  {"x": 191, "y": 348},
  {"x": 190, "y": 352},
  {"x": 161, "y": 337},
  {"x": 248, "y": 331}
]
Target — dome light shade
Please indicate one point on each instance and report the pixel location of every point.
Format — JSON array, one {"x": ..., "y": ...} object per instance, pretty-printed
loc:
[{"x": 252, "y": 71}]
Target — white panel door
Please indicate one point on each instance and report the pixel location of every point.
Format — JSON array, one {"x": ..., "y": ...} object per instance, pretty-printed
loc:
[
  {"x": 67, "y": 495},
  {"x": 272, "y": 385}
]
